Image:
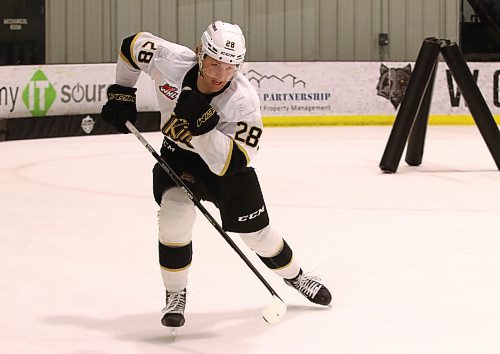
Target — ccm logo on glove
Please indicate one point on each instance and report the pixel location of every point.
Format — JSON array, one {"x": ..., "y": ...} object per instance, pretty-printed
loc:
[
  {"x": 120, "y": 107},
  {"x": 121, "y": 97}
]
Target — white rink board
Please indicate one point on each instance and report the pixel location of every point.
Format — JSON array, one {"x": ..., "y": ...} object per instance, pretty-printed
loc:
[
  {"x": 78, "y": 89},
  {"x": 288, "y": 89}
]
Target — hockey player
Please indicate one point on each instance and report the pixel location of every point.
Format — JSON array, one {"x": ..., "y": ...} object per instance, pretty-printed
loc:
[{"x": 210, "y": 116}]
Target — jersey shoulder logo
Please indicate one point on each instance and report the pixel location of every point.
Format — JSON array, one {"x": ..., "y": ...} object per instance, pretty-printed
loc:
[
  {"x": 169, "y": 91},
  {"x": 245, "y": 106}
]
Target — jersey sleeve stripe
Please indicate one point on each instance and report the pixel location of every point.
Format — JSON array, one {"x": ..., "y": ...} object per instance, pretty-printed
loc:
[
  {"x": 125, "y": 59},
  {"x": 132, "y": 48},
  {"x": 127, "y": 50},
  {"x": 242, "y": 149},
  {"x": 228, "y": 159}
]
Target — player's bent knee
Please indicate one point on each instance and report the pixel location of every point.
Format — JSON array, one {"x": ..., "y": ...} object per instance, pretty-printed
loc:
[
  {"x": 176, "y": 218},
  {"x": 265, "y": 242}
]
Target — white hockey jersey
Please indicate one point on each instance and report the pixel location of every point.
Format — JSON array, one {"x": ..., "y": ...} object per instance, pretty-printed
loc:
[{"x": 240, "y": 124}]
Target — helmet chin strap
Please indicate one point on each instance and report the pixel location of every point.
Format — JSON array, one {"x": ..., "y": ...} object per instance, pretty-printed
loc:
[
  {"x": 205, "y": 80},
  {"x": 203, "y": 77},
  {"x": 201, "y": 71},
  {"x": 206, "y": 77}
]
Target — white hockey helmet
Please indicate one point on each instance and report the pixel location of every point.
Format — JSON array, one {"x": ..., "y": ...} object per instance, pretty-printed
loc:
[{"x": 224, "y": 42}]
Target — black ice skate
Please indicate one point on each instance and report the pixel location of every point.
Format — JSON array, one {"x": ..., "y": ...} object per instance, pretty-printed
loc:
[
  {"x": 311, "y": 288},
  {"x": 174, "y": 311}
]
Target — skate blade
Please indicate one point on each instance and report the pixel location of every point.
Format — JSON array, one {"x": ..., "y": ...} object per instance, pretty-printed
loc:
[{"x": 173, "y": 333}]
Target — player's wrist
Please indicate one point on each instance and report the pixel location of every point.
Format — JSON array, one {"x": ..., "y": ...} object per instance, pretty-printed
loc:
[{"x": 121, "y": 93}]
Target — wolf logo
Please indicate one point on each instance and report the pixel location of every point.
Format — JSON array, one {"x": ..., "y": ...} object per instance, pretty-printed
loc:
[{"x": 393, "y": 82}]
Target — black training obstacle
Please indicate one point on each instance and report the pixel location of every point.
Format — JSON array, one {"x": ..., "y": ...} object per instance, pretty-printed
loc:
[{"x": 413, "y": 115}]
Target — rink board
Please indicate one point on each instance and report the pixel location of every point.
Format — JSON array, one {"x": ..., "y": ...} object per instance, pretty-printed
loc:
[
  {"x": 272, "y": 121},
  {"x": 66, "y": 100}
]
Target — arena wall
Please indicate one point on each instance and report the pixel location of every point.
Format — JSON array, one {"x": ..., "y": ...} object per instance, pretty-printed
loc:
[{"x": 91, "y": 31}]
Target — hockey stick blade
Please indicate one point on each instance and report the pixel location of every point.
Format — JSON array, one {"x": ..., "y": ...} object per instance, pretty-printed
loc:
[{"x": 275, "y": 311}]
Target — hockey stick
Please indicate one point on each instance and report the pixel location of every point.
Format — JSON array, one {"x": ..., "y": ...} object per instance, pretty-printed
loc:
[{"x": 277, "y": 309}]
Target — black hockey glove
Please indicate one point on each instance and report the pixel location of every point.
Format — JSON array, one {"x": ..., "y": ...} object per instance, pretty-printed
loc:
[
  {"x": 193, "y": 107},
  {"x": 120, "y": 107}
]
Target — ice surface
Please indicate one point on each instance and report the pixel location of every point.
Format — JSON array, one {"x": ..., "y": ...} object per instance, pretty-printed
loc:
[{"x": 412, "y": 258}]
